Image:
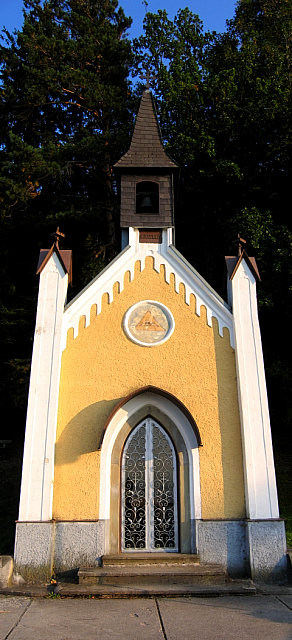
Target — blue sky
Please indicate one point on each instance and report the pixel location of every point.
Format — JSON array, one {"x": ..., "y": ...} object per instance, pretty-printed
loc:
[{"x": 213, "y": 13}]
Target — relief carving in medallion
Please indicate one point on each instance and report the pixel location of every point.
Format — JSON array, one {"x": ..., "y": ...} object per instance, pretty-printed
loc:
[{"x": 148, "y": 323}]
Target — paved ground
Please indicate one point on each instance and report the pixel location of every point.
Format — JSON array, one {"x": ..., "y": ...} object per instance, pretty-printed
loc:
[{"x": 259, "y": 617}]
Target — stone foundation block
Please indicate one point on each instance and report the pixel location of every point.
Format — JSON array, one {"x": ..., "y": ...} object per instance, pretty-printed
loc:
[
  {"x": 44, "y": 547},
  {"x": 224, "y": 542},
  {"x": 33, "y": 550},
  {"x": 78, "y": 544},
  {"x": 267, "y": 550}
]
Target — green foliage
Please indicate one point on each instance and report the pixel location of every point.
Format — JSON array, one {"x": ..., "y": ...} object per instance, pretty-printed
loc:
[
  {"x": 224, "y": 102},
  {"x": 10, "y": 475},
  {"x": 174, "y": 53},
  {"x": 250, "y": 92},
  {"x": 66, "y": 114},
  {"x": 250, "y": 87},
  {"x": 66, "y": 117},
  {"x": 284, "y": 483}
]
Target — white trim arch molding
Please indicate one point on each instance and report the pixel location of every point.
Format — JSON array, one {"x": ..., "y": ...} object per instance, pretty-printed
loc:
[{"x": 125, "y": 417}]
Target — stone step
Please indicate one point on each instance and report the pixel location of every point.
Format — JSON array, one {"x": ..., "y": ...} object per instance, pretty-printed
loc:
[
  {"x": 149, "y": 558},
  {"x": 231, "y": 587},
  {"x": 143, "y": 575}
]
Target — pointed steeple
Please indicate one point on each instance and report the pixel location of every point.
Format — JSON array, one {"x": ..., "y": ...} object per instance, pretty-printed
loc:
[
  {"x": 146, "y": 149},
  {"x": 146, "y": 174}
]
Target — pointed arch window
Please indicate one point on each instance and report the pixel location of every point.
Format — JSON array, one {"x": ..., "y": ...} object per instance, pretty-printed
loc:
[{"x": 147, "y": 197}]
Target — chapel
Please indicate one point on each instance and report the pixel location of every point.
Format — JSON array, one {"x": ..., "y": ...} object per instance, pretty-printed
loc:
[{"x": 148, "y": 425}]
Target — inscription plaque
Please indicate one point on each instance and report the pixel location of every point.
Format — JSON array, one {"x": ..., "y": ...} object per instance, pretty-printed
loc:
[{"x": 150, "y": 235}]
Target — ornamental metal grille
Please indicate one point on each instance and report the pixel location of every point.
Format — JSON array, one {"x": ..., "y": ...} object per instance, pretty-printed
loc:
[{"x": 149, "y": 493}]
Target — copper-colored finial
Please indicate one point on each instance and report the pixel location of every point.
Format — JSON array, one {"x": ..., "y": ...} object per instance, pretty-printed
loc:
[
  {"x": 241, "y": 244},
  {"x": 148, "y": 77},
  {"x": 57, "y": 235}
]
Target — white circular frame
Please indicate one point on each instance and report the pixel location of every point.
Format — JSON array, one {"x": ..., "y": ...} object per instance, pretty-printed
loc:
[{"x": 164, "y": 309}]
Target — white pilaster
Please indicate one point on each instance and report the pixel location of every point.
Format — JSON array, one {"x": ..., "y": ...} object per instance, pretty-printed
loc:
[
  {"x": 38, "y": 459},
  {"x": 260, "y": 481}
]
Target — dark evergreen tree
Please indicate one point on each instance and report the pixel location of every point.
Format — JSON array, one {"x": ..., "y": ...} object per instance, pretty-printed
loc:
[
  {"x": 66, "y": 117},
  {"x": 225, "y": 108},
  {"x": 249, "y": 78},
  {"x": 174, "y": 51}
]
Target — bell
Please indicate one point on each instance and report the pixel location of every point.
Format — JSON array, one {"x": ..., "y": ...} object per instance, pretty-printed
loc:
[{"x": 146, "y": 203}]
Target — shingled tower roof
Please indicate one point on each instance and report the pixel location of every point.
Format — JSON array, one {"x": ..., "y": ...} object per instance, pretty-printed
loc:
[{"x": 146, "y": 149}]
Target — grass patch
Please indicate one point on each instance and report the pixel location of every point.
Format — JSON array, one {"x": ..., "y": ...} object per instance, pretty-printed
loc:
[
  {"x": 284, "y": 482},
  {"x": 10, "y": 477}
]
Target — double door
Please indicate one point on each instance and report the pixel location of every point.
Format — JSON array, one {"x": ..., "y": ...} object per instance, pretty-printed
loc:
[{"x": 149, "y": 490}]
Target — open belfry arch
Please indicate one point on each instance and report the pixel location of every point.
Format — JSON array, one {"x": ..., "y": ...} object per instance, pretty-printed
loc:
[{"x": 148, "y": 425}]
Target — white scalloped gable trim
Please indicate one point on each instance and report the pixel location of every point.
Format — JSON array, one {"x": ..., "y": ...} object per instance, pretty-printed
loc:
[{"x": 164, "y": 255}]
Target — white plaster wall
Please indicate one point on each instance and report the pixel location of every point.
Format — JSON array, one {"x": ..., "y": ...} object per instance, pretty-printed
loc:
[
  {"x": 38, "y": 460},
  {"x": 260, "y": 480}
]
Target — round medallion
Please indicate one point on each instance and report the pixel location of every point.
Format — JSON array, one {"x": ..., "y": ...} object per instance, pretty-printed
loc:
[{"x": 148, "y": 323}]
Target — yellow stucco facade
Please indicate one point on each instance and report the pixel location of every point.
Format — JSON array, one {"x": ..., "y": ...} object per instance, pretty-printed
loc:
[{"x": 101, "y": 366}]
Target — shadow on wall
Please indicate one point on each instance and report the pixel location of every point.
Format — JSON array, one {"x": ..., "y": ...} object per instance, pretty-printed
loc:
[
  {"x": 230, "y": 430},
  {"x": 84, "y": 432},
  {"x": 233, "y": 529}
]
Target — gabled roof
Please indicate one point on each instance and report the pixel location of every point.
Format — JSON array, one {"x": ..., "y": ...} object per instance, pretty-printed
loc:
[
  {"x": 146, "y": 149},
  {"x": 233, "y": 262},
  {"x": 64, "y": 256}
]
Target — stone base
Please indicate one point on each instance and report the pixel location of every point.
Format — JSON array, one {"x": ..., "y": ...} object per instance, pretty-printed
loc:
[
  {"x": 267, "y": 550},
  {"x": 224, "y": 542},
  {"x": 44, "y": 547},
  {"x": 34, "y": 550},
  {"x": 255, "y": 548}
]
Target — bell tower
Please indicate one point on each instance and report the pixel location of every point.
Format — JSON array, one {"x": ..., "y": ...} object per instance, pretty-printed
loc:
[{"x": 147, "y": 176}]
